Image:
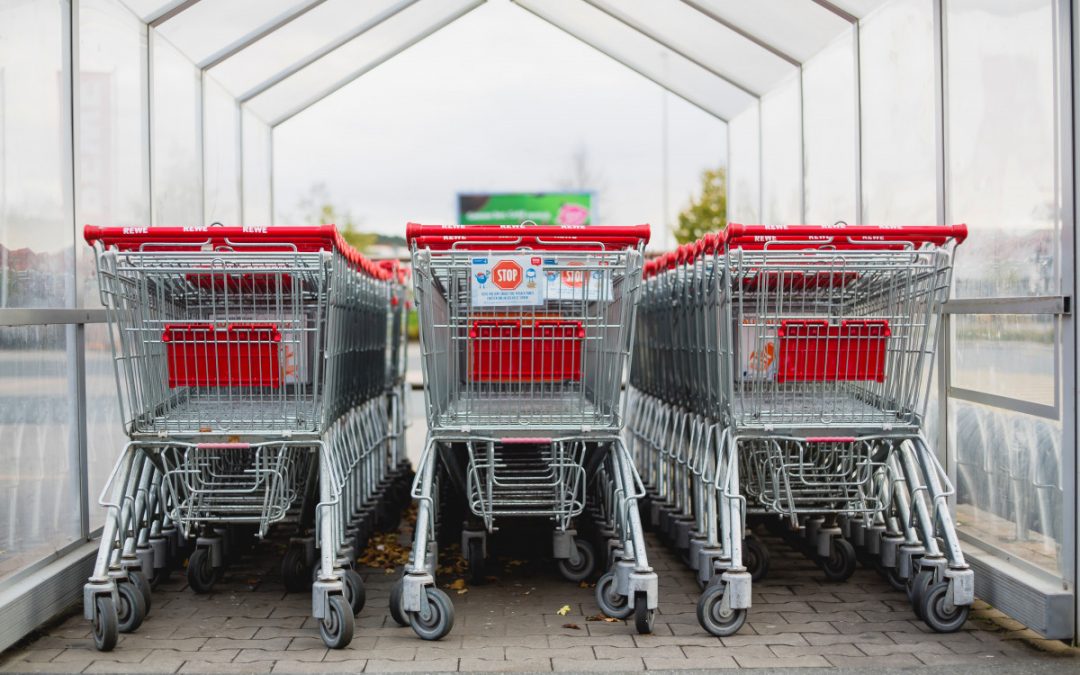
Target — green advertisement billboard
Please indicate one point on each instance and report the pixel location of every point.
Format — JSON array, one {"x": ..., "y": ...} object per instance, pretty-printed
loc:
[{"x": 543, "y": 208}]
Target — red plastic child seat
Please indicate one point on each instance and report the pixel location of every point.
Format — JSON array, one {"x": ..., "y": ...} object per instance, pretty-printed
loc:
[
  {"x": 239, "y": 355},
  {"x": 813, "y": 350},
  {"x": 540, "y": 350}
]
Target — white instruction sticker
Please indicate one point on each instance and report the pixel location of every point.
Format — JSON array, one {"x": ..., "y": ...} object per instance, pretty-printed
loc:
[
  {"x": 507, "y": 280},
  {"x": 567, "y": 283}
]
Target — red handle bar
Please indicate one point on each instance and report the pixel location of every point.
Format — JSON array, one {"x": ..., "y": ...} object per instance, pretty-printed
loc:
[{"x": 444, "y": 237}]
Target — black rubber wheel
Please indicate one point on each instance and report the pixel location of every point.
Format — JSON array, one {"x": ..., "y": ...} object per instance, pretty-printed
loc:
[
  {"x": 840, "y": 564},
  {"x": 131, "y": 610},
  {"x": 200, "y": 575},
  {"x": 355, "y": 593},
  {"x": 336, "y": 629},
  {"x": 143, "y": 585},
  {"x": 892, "y": 575},
  {"x": 917, "y": 589},
  {"x": 609, "y": 601},
  {"x": 585, "y": 566},
  {"x": 643, "y": 616},
  {"x": 295, "y": 573},
  {"x": 936, "y": 615},
  {"x": 755, "y": 558},
  {"x": 436, "y": 620},
  {"x": 477, "y": 566},
  {"x": 395, "y": 604},
  {"x": 106, "y": 630},
  {"x": 713, "y": 617}
]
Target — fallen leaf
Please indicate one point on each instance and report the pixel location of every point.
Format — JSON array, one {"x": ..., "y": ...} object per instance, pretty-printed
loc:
[
  {"x": 571, "y": 625},
  {"x": 462, "y": 591},
  {"x": 601, "y": 617},
  {"x": 583, "y": 584},
  {"x": 564, "y": 610},
  {"x": 458, "y": 585}
]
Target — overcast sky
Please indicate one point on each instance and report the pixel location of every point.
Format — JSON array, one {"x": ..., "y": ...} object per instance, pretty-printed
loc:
[{"x": 497, "y": 101}]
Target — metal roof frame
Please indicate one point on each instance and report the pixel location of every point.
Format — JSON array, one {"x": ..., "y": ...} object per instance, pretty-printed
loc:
[{"x": 176, "y": 7}]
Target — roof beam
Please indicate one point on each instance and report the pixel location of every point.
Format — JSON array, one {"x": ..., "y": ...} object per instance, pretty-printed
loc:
[
  {"x": 636, "y": 26},
  {"x": 169, "y": 11},
  {"x": 375, "y": 64},
  {"x": 258, "y": 34},
  {"x": 775, "y": 51},
  {"x": 324, "y": 50},
  {"x": 654, "y": 80},
  {"x": 843, "y": 14}
]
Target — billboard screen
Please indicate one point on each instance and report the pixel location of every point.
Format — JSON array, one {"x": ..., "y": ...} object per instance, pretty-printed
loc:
[{"x": 543, "y": 208}]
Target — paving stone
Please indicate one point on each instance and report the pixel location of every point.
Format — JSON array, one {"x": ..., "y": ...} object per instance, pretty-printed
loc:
[
  {"x": 613, "y": 640},
  {"x": 671, "y": 652},
  {"x": 517, "y": 653},
  {"x": 873, "y": 662},
  {"x": 608, "y": 665},
  {"x": 815, "y": 650},
  {"x": 145, "y": 667},
  {"x": 709, "y": 664},
  {"x": 82, "y": 657},
  {"x": 801, "y": 627},
  {"x": 987, "y": 656},
  {"x": 740, "y": 640},
  {"x": 381, "y": 666},
  {"x": 526, "y": 665},
  {"x": 38, "y": 667},
  {"x": 777, "y": 662},
  {"x": 756, "y": 651},
  {"x": 172, "y": 656},
  {"x": 195, "y": 666},
  {"x": 286, "y": 667},
  {"x": 392, "y": 654},
  {"x": 248, "y": 655},
  {"x": 272, "y": 644}
]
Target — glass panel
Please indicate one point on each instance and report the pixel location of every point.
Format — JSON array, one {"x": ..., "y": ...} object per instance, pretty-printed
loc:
[
  {"x": 1002, "y": 172},
  {"x": 781, "y": 155},
  {"x": 176, "y": 130},
  {"x": 744, "y": 167},
  {"x": 711, "y": 44},
  {"x": 39, "y": 492},
  {"x": 221, "y": 154},
  {"x": 1009, "y": 355},
  {"x": 898, "y": 149},
  {"x": 798, "y": 28},
  {"x": 1008, "y": 481},
  {"x": 105, "y": 438},
  {"x": 859, "y": 8},
  {"x": 257, "y": 160},
  {"x": 357, "y": 56},
  {"x": 36, "y": 237},
  {"x": 114, "y": 174},
  {"x": 210, "y": 26},
  {"x": 148, "y": 8},
  {"x": 829, "y": 125},
  {"x": 327, "y": 24}
]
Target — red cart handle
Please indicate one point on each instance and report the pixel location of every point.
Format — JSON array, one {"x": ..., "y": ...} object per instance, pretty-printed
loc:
[
  {"x": 301, "y": 238},
  {"x": 445, "y": 237},
  {"x": 846, "y": 237}
]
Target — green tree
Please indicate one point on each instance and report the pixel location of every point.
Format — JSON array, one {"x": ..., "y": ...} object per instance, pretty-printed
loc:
[{"x": 708, "y": 211}]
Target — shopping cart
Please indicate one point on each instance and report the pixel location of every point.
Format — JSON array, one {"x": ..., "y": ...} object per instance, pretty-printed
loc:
[
  {"x": 251, "y": 370},
  {"x": 785, "y": 371},
  {"x": 525, "y": 333}
]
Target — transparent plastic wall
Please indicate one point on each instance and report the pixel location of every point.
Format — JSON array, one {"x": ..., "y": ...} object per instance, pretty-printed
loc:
[
  {"x": 781, "y": 154},
  {"x": 744, "y": 167},
  {"x": 1003, "y": 178},
  {"x": 257, "y": 138},
  {"x": 221, "y": 154},
  {"x": 114, "y": 189},
  {"x": 39, "y": 495},
  {"x": 829, "y": 107},
  {"x": 175, "y": 136}
]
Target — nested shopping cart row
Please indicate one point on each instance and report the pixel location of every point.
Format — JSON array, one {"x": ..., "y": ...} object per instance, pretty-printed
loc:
[
  {"x": 525, "y": 335},
  {"x": 260, "y": 376},
  {"x": 781, "y": 376}
]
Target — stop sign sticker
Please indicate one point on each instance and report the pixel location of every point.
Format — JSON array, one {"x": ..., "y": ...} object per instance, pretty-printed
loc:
[
  {"x": 507, "y": 275},
  {"x": 505, "y": 281}
]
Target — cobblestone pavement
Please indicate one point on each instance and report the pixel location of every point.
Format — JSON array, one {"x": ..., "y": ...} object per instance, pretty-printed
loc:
[{"x": 512, "y": 624}]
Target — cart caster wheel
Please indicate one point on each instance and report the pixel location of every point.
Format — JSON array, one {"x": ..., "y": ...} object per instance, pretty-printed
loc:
[
  {"x": 611, "y": 603},
  {"x": 161, "y": 575},
  {"x": 354, "y": 590},
  {"x": 131, "y": 610},
  {"x": 643, "y": 616},
  {"x": 436, "y": 619},
  {"x": 917, "y": 588},
  {"x": 585, "y": 565},
  {"x": 395, "y": 605},
  {"x": 935, "y": 613},
  {"x": 336, "y": 628},
  {"x": 200, "y": 575},
  {"x": 712, "y": 615},
  {"x": 756, "y": 558},
  {"x": 140, "y": 582},
  {"x": 476, "y": 562},
  {"x": 892, "y": 575},
  {"x": 839, "y": 565},
  {"x": 294, "y": 570},
  {"x": 106, "y": 629}
]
